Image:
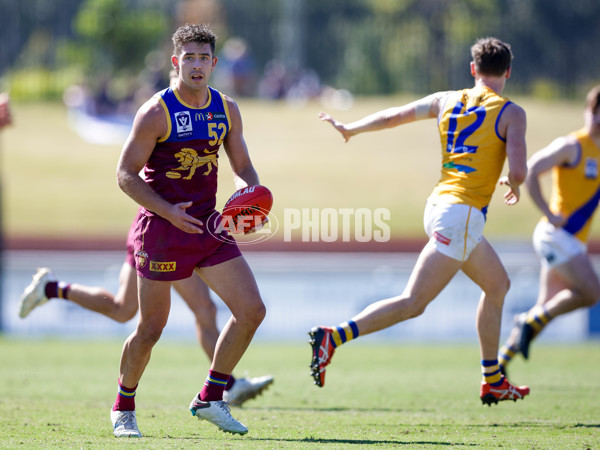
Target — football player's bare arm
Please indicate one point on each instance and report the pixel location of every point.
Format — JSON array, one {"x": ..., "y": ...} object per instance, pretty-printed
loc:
[
  {"x": 512, "y": 125},
  {"x": 424, "y": 108},
  {"x": 563, "y": 151},
  {"x": 235, "y": 146},
  {"x": 148, "y": 126}
]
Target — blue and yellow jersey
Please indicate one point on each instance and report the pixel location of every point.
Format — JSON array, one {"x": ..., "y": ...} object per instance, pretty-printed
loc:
[
  {"x": 473, "y": 152},
  {"x": 576, "y": 188},
  {"x": 184, "y": 164}
]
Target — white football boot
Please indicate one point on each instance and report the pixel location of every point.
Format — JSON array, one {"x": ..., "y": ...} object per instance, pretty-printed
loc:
[
  {"x": 218, "y": 414},
  {"x": 124, "y": 424},
  {"x": 35, "y": 294},
  {"x": 246, "y": 388}
]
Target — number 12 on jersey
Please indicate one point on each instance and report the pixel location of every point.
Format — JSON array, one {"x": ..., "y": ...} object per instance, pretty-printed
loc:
[{"x": 456, "y": 139}]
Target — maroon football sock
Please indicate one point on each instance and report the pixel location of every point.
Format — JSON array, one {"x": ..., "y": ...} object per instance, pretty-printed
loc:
[
  {"x": 230, "y": 382},
  {"x": 125, "y": 399},
  {"x": 57, "y": 289},
  {"x": 214, "y": 386}
]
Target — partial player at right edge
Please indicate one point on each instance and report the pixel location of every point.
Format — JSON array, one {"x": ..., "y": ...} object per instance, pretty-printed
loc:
[{"x": 567, "y": 278}]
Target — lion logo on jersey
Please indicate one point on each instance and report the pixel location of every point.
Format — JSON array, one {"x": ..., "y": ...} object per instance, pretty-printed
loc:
[{"x": 189, "y": 160}]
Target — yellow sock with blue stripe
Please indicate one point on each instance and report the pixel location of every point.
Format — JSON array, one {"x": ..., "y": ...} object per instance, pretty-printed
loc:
[
  {"x": 537, "y": 318},
  {"x": 506, "y": 354},
  {"x": 491, "y": 372},
  {"x": 343, "y": 333}
]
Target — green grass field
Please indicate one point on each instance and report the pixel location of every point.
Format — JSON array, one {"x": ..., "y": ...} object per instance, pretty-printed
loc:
[
  {"x": 55, "y": 184},
  {"x": 57, "y": 394}
]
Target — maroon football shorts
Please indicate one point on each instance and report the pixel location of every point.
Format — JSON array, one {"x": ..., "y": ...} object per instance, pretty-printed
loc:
[{"x": 163, "y": 252}]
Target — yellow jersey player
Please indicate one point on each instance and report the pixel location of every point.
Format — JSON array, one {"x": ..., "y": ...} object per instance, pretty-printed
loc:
[
  {"x": 567, "y": 278},
  {"x": 478, "y": 129}
]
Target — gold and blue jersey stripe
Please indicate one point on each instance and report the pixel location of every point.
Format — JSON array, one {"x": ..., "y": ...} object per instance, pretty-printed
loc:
[{"x": 576, "y": 187}]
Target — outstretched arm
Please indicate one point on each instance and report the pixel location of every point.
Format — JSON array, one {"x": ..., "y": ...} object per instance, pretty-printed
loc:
[{"x": 424, "y": 108}]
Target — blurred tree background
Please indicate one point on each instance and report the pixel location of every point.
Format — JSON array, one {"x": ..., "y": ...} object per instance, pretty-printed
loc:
[
  {"x": 76, "y": 71},
  {"x": 280, "y": 48}
]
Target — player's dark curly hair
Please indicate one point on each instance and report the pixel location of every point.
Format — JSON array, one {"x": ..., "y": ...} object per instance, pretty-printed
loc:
[
  {"x": 491, "y": 56},
  {"x": 199, "y": 33},
  {"x": 592, "y": 100}
]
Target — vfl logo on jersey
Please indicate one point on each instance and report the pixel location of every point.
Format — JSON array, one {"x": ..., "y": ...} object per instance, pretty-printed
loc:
[
  {"x": 158, "y": 266},
  {"x": 183, "y": 120},
  {"x": 189, "y": 161},
  {"x": 591, "y": 168}
]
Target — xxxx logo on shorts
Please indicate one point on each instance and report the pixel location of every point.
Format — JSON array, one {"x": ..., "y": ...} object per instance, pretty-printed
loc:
[{"x": 157, "y": 266}]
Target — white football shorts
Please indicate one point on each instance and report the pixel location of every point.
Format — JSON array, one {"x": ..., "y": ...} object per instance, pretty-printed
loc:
[
  {"x": 555, "y": 246},
  {"x": 454, "y": 229}
]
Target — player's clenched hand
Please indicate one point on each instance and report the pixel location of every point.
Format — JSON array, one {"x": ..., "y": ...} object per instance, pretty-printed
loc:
[
  {"x": 511, "y": 197},
  {"x": 337, "y": 125},
  {"x": 182, "y": 220}
]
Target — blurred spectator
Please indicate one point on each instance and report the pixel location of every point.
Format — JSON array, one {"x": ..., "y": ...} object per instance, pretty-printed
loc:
[
  {"x": 294, "y": 85},
  {"x": 237, "y": 68},
  {"x": 274, "y": 83},
  {"x": 306, "y": 85},
  {"x": 5, "y": 116}
]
